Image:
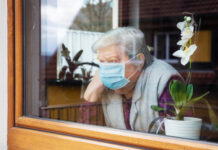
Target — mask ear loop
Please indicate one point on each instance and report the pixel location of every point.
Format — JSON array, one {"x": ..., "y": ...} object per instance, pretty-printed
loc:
[
  {"x": 132, "y": 74},
  {"x": 129, "y": 62}
]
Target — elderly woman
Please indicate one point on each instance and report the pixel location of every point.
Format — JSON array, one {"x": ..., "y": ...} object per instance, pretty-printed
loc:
[{"x": 129, "y": 80}]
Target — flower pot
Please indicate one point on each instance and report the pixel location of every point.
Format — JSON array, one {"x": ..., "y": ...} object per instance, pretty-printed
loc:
[{"x": 188, "y": 128}]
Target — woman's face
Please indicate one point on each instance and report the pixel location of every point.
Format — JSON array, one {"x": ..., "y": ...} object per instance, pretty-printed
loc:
[{"x": 115, "y": 54}]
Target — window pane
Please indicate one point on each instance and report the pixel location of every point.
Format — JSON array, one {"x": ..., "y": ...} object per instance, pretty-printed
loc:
[
  {"x": 161, "y": 46},
  {"x": 92, "y": 62},
  {"x": 174, "y": 38}
]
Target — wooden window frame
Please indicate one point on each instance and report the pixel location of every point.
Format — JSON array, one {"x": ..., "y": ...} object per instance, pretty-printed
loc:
[{"x": 68, "y": 134}]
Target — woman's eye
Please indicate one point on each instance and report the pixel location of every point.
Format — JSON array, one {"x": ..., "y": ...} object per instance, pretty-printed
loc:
[{"x": 114, "y": 61}]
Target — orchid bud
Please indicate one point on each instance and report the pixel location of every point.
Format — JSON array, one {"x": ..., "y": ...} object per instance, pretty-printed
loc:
[{"x": 187, "y": 19}]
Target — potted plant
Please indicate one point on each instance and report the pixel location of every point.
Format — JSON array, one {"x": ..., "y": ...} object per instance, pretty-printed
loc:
[
  {"x": 182, "y": 92},
  {"x": 70, "y": 85},
  {"x": 68, "y": 72}
]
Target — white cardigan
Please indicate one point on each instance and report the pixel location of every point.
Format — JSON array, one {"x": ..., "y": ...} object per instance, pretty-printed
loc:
[{"x": 149, "y": 86}]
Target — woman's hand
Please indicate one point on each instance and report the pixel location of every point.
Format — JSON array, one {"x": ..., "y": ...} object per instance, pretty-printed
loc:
[{"x": 94, "y": 89}]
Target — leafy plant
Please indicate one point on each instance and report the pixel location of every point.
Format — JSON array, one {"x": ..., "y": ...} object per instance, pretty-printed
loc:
[
  {"x": 68, "y": 72},
  {"x": 182, "y": 98},
  {"x": 182, "y": 93}
]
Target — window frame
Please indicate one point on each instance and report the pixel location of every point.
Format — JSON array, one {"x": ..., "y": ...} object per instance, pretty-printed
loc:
[
  {"x": 37, "y": 128},
  {"x": 167, "y": 47}
]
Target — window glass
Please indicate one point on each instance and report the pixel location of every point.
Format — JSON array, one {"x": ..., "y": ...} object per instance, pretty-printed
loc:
[
  {"x": 173, "y": 39},
  {"x": 161, "y": 44},
  {"x": 146, "y": 66}
]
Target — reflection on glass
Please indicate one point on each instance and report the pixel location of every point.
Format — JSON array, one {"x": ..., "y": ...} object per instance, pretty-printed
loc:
[{"x": 77, "y": 68}]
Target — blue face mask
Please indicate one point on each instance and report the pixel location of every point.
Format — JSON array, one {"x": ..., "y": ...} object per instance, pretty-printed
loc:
[{"x": 113, "y": 75}]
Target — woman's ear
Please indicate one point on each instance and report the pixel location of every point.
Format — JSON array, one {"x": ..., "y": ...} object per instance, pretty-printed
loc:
[{"x": 141, "y": 57}]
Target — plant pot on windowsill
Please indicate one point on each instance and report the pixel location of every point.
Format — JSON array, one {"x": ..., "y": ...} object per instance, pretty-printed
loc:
[
  {"x": 188, "y": 128},
  {"x": 180, "y": 126}
]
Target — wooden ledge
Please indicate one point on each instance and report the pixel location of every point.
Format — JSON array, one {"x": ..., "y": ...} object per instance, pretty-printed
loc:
[
  {"x": 21, "y": 139},
  {"x": 137, "y": 139}
]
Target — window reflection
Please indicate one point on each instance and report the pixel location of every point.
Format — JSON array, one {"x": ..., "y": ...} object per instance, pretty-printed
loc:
[{"x": 60, "y": 63}]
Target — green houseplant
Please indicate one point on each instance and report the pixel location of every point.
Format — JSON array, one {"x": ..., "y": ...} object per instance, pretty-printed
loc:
[
  {"x": 69, "y": 87},
  {"x": 68, "y": 72},
  {"x": 182, "y": 92}
]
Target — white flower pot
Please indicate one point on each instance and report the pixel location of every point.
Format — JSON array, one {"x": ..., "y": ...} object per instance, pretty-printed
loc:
[{"x": 188, "y": 128}]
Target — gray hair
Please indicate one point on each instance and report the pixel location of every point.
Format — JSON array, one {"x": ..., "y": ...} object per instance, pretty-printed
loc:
[{"x": 129, "y": 38}]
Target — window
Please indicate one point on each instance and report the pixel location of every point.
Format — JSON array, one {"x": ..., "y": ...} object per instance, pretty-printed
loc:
[
  {"x": 55, "y": 64},
  {"x": 165, "y": 45}
]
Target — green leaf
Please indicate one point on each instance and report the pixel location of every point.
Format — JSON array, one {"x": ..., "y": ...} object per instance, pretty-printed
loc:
[
  {"x": 212, "y": 115},
  {"x": 190, "y": 103},
  {"x": 200, "y": 97},
  {"x": 178, "y": 92},
  {"x": 189, "y": 92},
  {"x": 172, "y": 90},
  {"x": 157, "y": 108},
  {"x": 65, "y": 52},
  {"x": 83, "y": 71},
  {"x": 216, "y": 126},
  {"x": 77, "y": 56}
]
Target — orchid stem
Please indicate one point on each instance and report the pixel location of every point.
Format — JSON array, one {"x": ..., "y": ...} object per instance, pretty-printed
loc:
[
  {"x": 190, "y": 66},
  {"x": 189, "y": 73}
]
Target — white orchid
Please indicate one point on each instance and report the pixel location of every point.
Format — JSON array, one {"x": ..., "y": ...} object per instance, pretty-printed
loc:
[
  {"x": 181, "y": 25},
  {"x": 182, "y": 42},
  {"x": 187, "y": 30},
  {"x": 185, "y": 54},
  {"x": 186, "y": 34},
  {"x": 186, "y": 49}
]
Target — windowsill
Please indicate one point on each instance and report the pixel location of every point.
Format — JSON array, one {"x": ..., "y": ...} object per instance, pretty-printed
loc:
[{"x": 113, "y": 135}]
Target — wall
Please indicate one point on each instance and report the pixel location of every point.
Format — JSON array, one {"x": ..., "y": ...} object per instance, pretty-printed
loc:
[
  {"x": 204, "y": 41},
  {"x": 3, "y": 75}
]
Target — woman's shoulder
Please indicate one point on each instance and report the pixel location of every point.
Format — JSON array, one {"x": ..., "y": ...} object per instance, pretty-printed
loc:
[{"x": 161, "y": 67}]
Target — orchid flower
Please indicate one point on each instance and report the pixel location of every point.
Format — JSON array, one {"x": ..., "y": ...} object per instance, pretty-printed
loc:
[
  {"x": 185, "y": 54},
  {"x": 186, "y": 49},
  {"x": 181, "y": 25},
  {"x": 186, "y": 34}
]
